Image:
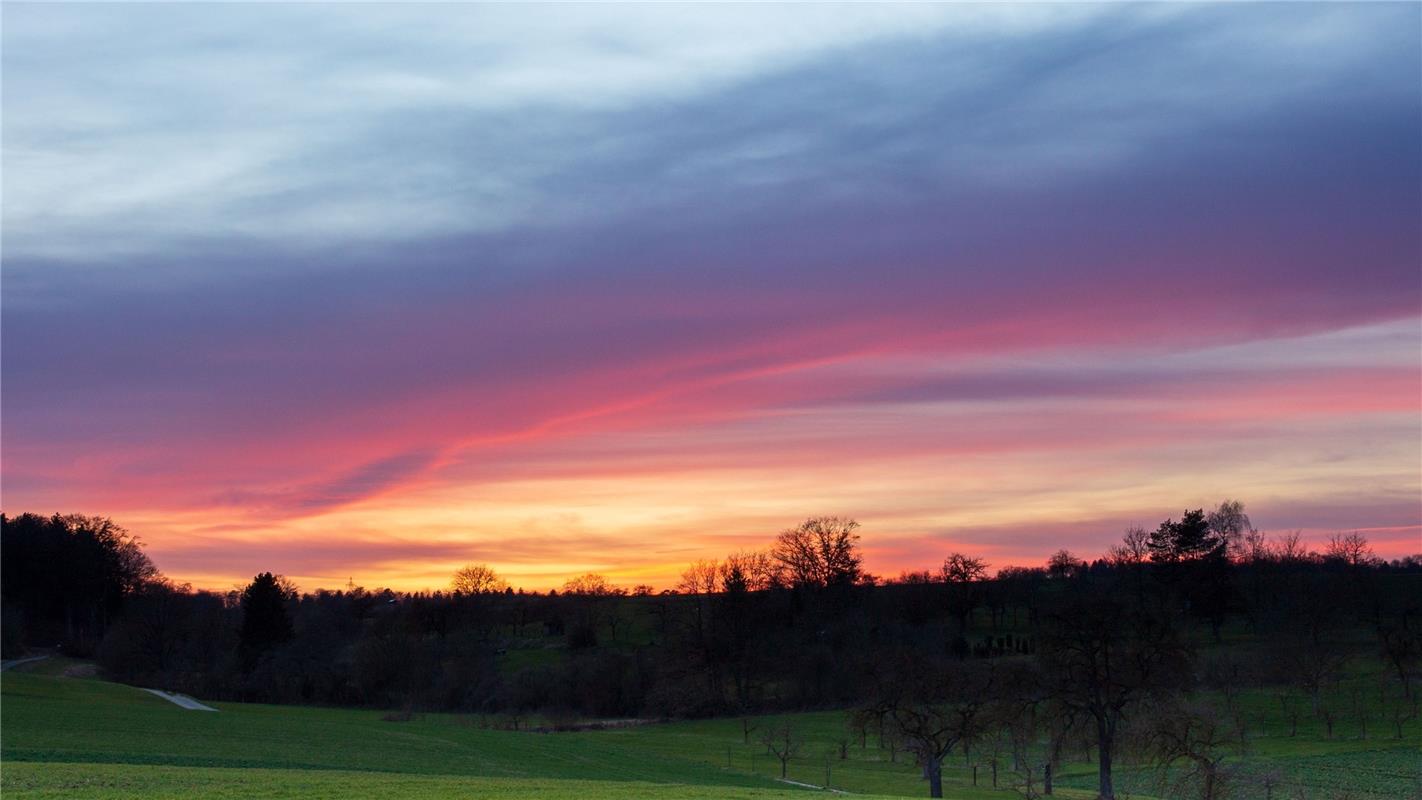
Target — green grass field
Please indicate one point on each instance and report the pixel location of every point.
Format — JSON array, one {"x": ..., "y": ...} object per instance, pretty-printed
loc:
[{"x": 76, "y": 737}]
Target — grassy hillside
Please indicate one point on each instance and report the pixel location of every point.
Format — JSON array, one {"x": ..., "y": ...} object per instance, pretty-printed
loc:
[{"x": 68, "y": 736}]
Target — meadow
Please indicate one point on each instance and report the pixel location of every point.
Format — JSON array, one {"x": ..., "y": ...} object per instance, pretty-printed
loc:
[{"x": 72, "y": 736}]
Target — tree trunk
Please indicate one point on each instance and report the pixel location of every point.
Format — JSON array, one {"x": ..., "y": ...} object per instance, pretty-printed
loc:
[
  {"x": 1104, "y": 745},
  {"x": 1209, "y": 789},
  {"x": 934, "y": 768}
]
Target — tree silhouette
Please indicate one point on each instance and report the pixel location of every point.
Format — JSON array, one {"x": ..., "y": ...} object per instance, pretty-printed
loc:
[
  {"x": 782, "y": 742},
  {"x": 1190, "y": 539},
  {"x": 1104, "y": 656},
  {"x": 478, "y": 579},
  {"x": 819, "y": 552},
  {"x": 265, "y": 622}
]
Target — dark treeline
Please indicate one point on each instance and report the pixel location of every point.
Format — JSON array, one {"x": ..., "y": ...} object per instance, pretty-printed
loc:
[{"x": 932, "y": 661}]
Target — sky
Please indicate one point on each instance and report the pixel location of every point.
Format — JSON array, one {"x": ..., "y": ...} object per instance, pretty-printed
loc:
[{"x": 367, "y": 292}]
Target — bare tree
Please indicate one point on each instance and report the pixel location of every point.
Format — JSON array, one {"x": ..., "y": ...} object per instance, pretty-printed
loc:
[
  {"x": 749, "y": 571},
  {"x": 1064, "y": 564},
  {"x": 1271, "y": 779},
  {"x": 961, "y": 574},
  {"x": 596, "y": 604},
  {"x": 748, "y": 724},
  {"x": 1350, "y": 549},
  {"x": 1288, "y": 548},
  {"x": 1402, "y": 710},
  {"x": 1133, "y": 549},
  {"x": 590, "y": 584},
  {"x": 958, "y": 568},
  {"x": 478, "y": 579},
  {"x": 860, "y": 721},
  {"x": 1229, "y": 522},
  {"x": 820, "y": 552},
  {"x": 780, "y": 740},
  {"x": 1310, "y": 666},
  {"x": 1103, "y": 656},
  {"x": 702, "y": 577},
  {"x": 932, "y": 707},
  {"x": 1401, "y": 641},
  {"x": 1199, "y": 735}
]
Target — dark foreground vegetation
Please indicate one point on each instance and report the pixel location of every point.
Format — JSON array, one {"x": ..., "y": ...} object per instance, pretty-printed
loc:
[{"x": 1159, "y": 652}]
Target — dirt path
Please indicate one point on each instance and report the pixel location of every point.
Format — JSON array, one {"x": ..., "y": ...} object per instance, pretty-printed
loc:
[
  {"x": 15, "y": 662},
  {"x": 180, "y": 700},
  {"x": 810, "y": 786}
]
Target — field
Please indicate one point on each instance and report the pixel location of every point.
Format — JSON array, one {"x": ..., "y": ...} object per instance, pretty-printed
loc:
[{"x": 79, "y": 737}]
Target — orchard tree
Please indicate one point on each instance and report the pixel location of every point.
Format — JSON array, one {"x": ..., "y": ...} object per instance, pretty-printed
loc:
[
  {"x": 930, "y": 706},
  {"x": 1104, "y": 657},
  {"x": 781, "y": 741},
  {"x": 1199, "y": 736}
]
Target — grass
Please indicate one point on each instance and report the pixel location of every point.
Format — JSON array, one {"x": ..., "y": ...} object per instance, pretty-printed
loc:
[
  {"x": 69, "y": 736},
  {"x": 39, "y": 780}
]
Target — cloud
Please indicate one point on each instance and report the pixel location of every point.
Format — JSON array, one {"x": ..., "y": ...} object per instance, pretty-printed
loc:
[
  {"x": 170, "y": 126},
  {"x": 338, "y": 261},
  {"x": 363, "y": 482}
]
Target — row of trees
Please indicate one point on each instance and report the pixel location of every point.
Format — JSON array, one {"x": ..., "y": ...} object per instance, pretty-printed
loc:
[
  {"x": 1113, "y": 653},
  {"x": 1073, "y": 653}
]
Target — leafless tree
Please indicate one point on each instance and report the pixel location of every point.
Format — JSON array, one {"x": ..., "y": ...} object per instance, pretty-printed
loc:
[
  {"x": 1401, "y": 640},
  {"x": 1310, "y": 666},
  {"x": 749, "y": 571},
  {"x": 1350, "y": 549},
  {"x": 1327, "y": 712},
  {"x": 748, "y": 724},
  {"x": 1402, "y": 709},
  {"x": 1288, "y": 548},
  {"x": 1104, "y": 656},
  {"x": 702, "y": 577},
  {"x": 590, "y": 584},
  {"x": 860, "y": 721},
  {"x": 959, "y": 568},
  {"x": 1199, "y": 735},
  {"x": 934, "y": 707},
  {"x": 1132, "y": 550},
  {"x": 1064, "y": 564},
  {"x": 478, "y": 579},
  {"x": 1229, "y": 522},
  {"x": 782, "y": 742},
  {"x": 596, "y": 594},
  {"x": 961, "y": 574},
  {"x": 1270, "y": 779},
  {"x": 820, "y": 552}
]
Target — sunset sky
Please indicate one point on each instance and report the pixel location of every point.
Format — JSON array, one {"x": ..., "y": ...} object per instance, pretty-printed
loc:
[{"x": 371, "y": 292}]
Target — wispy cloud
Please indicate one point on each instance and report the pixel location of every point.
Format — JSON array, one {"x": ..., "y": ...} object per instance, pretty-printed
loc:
[{"x": 301, "y": 267}]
